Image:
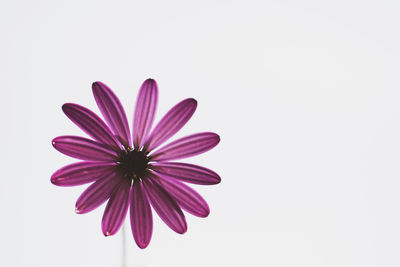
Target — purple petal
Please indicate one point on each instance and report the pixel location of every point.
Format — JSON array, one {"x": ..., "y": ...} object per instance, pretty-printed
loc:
[
  {"x": 145, "y": 111},
  {"x": 186, "y": 197},
  {"x": 116, "y": 209},
  {"x": 141, "y": 217},
  {"x": 187, "y": 172},
  {"x": 112, "y": 111},
  {"x": 165, "y": 206},
  {"x": 82, "y": 148},
  {"x": 97, "y": 193},
  {"x": 81, "y": 173},
  {"x": 90, "y": 123},
  {"x": 171, "y": 123},
  {"x": 185, "y": 147}
]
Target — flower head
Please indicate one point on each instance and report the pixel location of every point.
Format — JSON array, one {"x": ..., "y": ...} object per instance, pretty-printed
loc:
[{"x": 133, "y": 172}]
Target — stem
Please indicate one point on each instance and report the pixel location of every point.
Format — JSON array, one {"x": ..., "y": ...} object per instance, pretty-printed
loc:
[{"x": 123, "y": 246}]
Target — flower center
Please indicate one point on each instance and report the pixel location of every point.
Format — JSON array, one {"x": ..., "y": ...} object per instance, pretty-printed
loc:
[{"x": 133, "y": 164}]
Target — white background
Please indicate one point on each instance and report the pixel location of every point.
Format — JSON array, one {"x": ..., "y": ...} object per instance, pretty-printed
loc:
[{"x": 304, "y": 95}]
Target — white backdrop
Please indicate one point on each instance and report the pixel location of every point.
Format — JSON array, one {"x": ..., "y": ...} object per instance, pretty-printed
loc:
[{"x": 304, "y": 95}]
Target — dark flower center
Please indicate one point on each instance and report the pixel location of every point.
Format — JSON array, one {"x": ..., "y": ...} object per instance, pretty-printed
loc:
[{"x": 133, "y": 164}]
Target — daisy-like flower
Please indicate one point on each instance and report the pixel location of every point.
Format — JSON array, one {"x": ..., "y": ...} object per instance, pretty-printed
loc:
[{"x": 132, "y": 172}]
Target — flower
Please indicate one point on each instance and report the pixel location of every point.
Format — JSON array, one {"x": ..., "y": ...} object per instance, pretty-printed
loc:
[{"x": 134, "y": 173}]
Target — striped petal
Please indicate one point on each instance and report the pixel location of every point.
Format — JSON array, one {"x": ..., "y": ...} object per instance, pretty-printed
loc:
[
  {"x": 97, "y": 193},
  {"x": 82, "y": 148},
  {"x": 187, "y": 172},
  {"x": 91, "y": 124},
  {"x": 141, "y": 217},
  {"x": 81, "y": 173},
  {"x": 185, "y": 147},
  {"x": 116, "y": 209},
  {"x": 171, "y": 123},
  {"x": 145, "y": 111},
  {"x": 165, "y": 206},
  {"x": 186, "y": 197},
  {"x": 112, "y": 111}
]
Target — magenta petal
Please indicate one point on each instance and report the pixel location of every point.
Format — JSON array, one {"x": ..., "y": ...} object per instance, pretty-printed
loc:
[
  {"x": 187, "y": 198},
  {"x": 165, "y": 206},
  {"x": 116, "y": 209},
  {"x": 186, "y": 147},
  {"x": 171, "y": 123},
  {"x": 187, "y": 172},
  {"x": 145, "y": 110},
  {"x": 90, "y": 123},
  {"x": 97, "y": 193},
  {"x": 112, "y": 111},
  {"x": 82, "y": 148},
  {"x": 141, "y": 217},
  {"x": 81, "y": 173}
]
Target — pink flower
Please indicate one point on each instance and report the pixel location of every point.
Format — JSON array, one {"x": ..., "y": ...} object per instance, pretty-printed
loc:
[{"x": 135, "y": 173}]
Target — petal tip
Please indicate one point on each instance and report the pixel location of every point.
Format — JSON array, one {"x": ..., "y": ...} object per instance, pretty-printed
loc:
[
  {"x": 142, "y": 245},
  {"x": 54, "y": 142},
  {"x": 206, "y": 212},
  {"x": 192, "y": 101},
  {"x": 189, "y": 102},
  {"x": 97, "y": 85},
  {"x": 183, "y": 228},
  {"x": 54, "y": 180},
  {"x": 66, "y": 106},
  {"x": 150, "y": 84},
  {"x": 192, "y": 104},
  {"x": 182, "y": 231},
  {"x": 204, "y": 215},
  {"x": 217, "y": 138}
]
